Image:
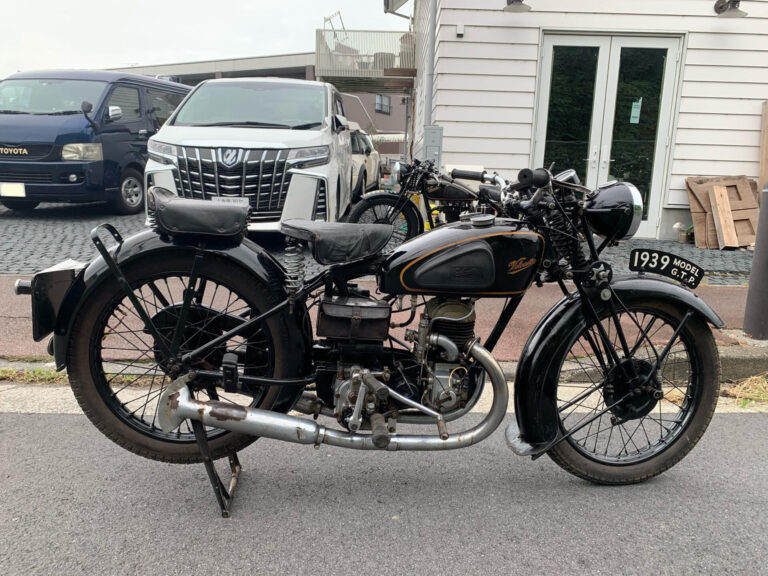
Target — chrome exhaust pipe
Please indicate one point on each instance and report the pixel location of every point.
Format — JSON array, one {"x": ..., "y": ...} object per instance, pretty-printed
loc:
[{"x": 177, "y": 404}]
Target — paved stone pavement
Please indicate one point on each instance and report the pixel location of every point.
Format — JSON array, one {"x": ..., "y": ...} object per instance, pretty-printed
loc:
[{"x": 54, "y": 232}]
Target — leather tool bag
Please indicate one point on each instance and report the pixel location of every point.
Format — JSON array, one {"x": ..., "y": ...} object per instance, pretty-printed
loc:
[{"x": 177, "y": 216}]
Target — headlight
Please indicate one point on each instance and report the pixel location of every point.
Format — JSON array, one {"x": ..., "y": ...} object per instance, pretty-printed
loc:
[
  {"x": 88, "y": 152},
  {"x": 615, "y": 210},
  {"x": 308, "y": 157},
  {"x": 162, "y": 152}
]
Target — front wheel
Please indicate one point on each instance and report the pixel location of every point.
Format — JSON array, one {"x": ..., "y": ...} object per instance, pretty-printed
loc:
[
  {"x": 117, "y": 369},
  {"x": 389, "y": 209},
  {"x": 627, "y": 415}
]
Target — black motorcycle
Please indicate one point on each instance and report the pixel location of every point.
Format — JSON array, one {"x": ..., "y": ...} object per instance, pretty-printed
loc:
[
  {"x": 427, "y": 199},
  {"x": 441, "y": 200},
  {"x": 186, "y": 342}
]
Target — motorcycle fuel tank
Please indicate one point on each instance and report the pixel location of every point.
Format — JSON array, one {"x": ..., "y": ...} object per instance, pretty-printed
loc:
[
  {"x": 449, "y": 190},
  {"x": 481, "y": 257}
]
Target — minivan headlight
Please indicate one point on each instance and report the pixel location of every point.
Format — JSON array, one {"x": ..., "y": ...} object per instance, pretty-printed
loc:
[
  {"x": 89, "y": 152},
  {"x": 162, "y": 152},
  {"x": 308, "y": 157}
]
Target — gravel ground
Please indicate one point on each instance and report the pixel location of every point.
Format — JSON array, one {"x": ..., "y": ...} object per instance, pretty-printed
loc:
[{"x": 54, "y": 232}]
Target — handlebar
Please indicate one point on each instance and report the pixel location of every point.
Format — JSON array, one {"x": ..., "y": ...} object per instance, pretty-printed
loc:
[{"x": 469, "y": 175}]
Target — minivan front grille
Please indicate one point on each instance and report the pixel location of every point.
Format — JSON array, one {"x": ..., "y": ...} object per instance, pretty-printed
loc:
[
  {"x": 321, "y": 202},
  {"x": 26, "y": 177},
  {"x": 258, "y": 174},
  {"x": 23, "y": 152}
]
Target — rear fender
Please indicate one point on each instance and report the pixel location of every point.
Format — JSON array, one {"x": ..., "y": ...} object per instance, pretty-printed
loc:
[
  {"x": 538, "y": 370},
  {"x": 148, "y": 244}
]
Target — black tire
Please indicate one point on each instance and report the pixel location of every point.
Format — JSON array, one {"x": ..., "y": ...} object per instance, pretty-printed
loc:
[
  {"x": 110, "y": 369},
  {"x": 389, "y": 209},
  {"x": 130, "y": 197},
  {"x": 604, "y": 451},
  {"x": 18, "y": 205}
]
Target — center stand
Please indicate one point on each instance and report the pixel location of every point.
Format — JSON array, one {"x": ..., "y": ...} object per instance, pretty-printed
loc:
[{"x": 223, "y": 494}]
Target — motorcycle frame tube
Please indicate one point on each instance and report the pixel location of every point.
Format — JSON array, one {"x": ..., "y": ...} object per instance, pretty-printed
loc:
[
  {"x": 178, "y": 404},
  {"x": 538, "y": 369}
]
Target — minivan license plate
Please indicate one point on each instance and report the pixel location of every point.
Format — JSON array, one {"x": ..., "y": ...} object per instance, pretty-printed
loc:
[
  {"x": 12, "y": 190},
  {"x": 666, "y": 264},
  {"x": 236, "y": 200}
]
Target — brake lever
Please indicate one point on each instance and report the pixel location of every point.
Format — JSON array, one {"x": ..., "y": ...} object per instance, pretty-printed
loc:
[{"x": 526, "y": 205}]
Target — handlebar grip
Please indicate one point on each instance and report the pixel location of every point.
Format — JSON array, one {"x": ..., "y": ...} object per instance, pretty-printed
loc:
[
  {"x": 525, "y": 178},
  {"x": 541, "y": 177},
  {"x": 468, "y": 175}
]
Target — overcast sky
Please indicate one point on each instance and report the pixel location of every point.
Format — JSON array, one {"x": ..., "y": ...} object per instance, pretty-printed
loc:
[{"x": 40, "y": 34}]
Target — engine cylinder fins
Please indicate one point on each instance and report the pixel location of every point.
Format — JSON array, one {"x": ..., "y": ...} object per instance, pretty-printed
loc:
[{"x": 452, "y": 318}]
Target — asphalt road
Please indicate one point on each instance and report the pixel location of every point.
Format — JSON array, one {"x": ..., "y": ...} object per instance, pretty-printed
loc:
[{"x": 74, "y": 503}]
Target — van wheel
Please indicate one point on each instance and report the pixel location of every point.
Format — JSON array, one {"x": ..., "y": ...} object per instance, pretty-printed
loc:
[
  {"x": 130, "y": 199},
  {"x": 19, "y": 205}
]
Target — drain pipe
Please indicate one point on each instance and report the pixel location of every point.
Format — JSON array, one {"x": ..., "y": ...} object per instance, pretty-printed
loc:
[
  {"x": 756, "y": 311},
  {"x": 429, "y": 80}
]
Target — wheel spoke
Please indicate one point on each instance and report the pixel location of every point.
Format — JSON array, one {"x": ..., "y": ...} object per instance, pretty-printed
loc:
[
  {"x": 614, "y": 424},
  {"x": 130, "y": 363}
]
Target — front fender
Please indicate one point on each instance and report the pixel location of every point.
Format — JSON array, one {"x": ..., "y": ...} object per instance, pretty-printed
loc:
[
  {"x": 539, "y": 368},
  {"x": 149, "y": 244}
]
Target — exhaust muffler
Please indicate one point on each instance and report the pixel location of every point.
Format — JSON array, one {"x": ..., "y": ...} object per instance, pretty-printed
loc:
[{"x": 177, "y": 404}]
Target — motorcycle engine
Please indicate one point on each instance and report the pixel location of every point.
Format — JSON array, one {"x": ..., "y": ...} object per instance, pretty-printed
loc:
[
  {"x": 432, "y": 373},
  {"x": 445, "y": 328}
]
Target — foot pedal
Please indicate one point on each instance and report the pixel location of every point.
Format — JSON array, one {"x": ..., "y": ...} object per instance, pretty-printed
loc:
[
  {"x": 379, "y": 431},
  {"x": 229, "y": 372}
]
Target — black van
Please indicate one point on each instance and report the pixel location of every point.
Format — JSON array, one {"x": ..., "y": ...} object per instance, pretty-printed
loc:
[{"x": 79, "y": 136}]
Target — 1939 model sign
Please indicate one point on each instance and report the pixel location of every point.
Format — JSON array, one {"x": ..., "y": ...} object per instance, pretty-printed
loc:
[{"x": 666, "y": 264}]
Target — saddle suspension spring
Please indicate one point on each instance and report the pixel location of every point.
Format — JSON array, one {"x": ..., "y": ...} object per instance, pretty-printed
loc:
[{"x": 294, "y": 265}]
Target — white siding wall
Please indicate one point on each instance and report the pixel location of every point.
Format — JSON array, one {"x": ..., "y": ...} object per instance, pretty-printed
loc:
[
  {"x": 421, "y": 17},
  {"x": 486, "y": 81}
]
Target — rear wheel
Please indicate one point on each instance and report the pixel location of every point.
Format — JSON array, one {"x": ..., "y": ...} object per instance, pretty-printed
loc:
[
  {"x": 130, "y": 198},
  {"x": 117, "y": 369},
  {"x": 19, "y": 205},
  {"x": 389, "y": 209},
  {"x": 631, "y": 419}
]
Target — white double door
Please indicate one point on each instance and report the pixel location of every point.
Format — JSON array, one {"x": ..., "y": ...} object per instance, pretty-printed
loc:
[{"x": 605, "y": 107}]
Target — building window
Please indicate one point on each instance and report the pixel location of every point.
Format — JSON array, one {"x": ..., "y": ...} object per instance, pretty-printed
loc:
[{"x": 383, "y": 104}]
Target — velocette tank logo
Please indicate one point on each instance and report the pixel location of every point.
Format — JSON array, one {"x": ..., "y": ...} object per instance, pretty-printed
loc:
[
  {"x": 229, "y": 157},
  {"x": 13, "y": 151},
  {"x": 519, "y": 265}
]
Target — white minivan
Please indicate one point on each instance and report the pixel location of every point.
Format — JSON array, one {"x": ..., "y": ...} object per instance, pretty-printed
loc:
[{"x": 281, "y": 146}]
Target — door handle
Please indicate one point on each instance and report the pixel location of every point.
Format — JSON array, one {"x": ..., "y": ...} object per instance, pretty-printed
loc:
[
  {"x": 595, "y": 158},
  {"x": 144, "y": 133}
]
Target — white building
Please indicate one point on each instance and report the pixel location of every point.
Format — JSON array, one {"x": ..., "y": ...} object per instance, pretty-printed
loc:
[{"x": 650, "y": 91}]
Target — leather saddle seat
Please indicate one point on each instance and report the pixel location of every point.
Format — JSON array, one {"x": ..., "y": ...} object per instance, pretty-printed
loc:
[{"x": 336, "y": 242}]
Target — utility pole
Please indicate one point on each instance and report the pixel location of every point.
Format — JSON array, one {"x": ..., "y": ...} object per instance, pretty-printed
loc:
[{"x": 756, "y": 312}]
